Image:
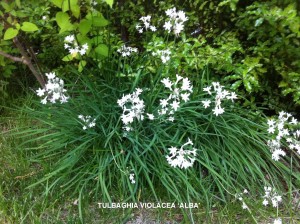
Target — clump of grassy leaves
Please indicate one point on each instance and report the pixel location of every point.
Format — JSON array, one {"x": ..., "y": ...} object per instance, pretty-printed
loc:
[{"x": 232, "y": 152}]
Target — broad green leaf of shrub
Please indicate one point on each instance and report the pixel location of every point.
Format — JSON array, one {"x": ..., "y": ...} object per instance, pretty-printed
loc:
[
  {"x": 29, "y": 27},
  {"x": 10, "y": 33},
  {"x": 68, "y": 57},
  {"x": 85, "y": 26},
  {"x": 63, "y": 21},
  {"x": 100, "y": 21},
  {"x": 102, "y": 49},
  {"x": 110, "y": 2},
  {"x": 81, "y": 65}
]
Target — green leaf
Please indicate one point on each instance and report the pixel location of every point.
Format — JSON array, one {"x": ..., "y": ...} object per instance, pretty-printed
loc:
[
  {"x": 110, "y": 2},
  {"x": 63, "y": 21},
  {"x": 81, "y": 65},
  {"x": 18, "y": 3},
  {"x": 85, "y": 26},
  {"x": 75, "y": 10},
  {"x": 102, "y": 49},
  {"x": 68, "y": 57},
  {"x": 29, "y": 27},
  {"x": 100, "y": 21},
  {"x": 58, "y": 3},
  {"x": 10, "y": 33}
]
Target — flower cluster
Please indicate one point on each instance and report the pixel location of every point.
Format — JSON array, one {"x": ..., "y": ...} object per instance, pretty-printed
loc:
[
  {"x": 88, "y": 122},
  {"x": 163, "y": 54},
  {"x": 131, "y": 178},
  {"x": 182, "y": 158},
  {"x": 72, "y": 46},
  {"x": 220, "y": 95},
  {"x": 127, "y": 51},
  {"x": 178, "y": 94},
  {"x": 271, "y": 196},
  {"x": 53, "y": 90},
  {"x": 133, "y": 107},
  {"x": 240, "y": 198},
  {"x": 175, "y": 21},
  {"x": 280, "y": 129},
  {"x": 145, "y": 24}
]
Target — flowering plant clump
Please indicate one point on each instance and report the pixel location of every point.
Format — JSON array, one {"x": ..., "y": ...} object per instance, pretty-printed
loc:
[
  {"x": 182, "y": 157},
  {"x": 72, "y": 46},
  {"x": 281, "y": 133},
  {"x": 177, "y": 96},
  {"x": 127, "y": 51},
  {"x": 271, "y": 196},
  {"x": 175, "y": 21},
  {"x": 145, "y": 24},
  {"x": 220, "y": 95},
  {"x": 133, "y": 107},
  {"x": 53, "y": 90},
  {"x": 88, "y": 122}
]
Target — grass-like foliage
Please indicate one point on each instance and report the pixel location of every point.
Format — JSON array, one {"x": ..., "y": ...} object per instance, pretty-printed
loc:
[{"x": 103, "y": 161}]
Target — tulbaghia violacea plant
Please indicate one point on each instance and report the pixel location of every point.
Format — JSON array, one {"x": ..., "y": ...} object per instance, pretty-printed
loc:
[
  {"x": 127, "y": 51},
  {"x": 220, "y": 94},
  {"x": 283, "y": 130},
  {"x": 88, "y": 121},
  {"x": 271, "y": 196},
  {"x": 53, "y": 91},
  {"x": 72, "y": 46},
  {"x": 178, "y": 95},
  {"x": 183, "y": 157},
  {"x": 175, "y": 21},
  {"x": 145, "y": 24}
]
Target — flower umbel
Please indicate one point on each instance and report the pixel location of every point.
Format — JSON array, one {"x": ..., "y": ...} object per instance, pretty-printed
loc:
[
  {"x": 183, "y": 157},
  {"x": 72, "y": 46},
  {"x": 53, "y": 90},
  {"x": 177, "y": 96},
  {"x": 133, "y": 107},
  {"x": 271, "y": 196},
  {"x": 221, "y": 94},
  {"x": 88, "y": 122},
  {"x": 127, "y": 51},
  {"x": 283, "y": 131}
]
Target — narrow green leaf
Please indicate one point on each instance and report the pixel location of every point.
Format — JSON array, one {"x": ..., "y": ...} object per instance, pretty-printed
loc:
[
  {"x": 81, "y": 65},
  {"x": 10, "y": 33},
  {"x": 29, "y": 27}
]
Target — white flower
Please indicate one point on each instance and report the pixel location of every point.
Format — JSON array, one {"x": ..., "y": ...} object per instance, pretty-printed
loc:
[
  {"x": 167, "y": 83},
  {"x": 207, "y": 89},
  {"x": 185, "y": 96},
  {"x": 277, "y": 221},
  {"x": 70, "y": 38},
  {"x": 175, "y": 105},
  {"x": 206, "y": 103},
  {"x": 186, "y": 85},
  {"x": 244, "y": 206},
  {"x": 271, "y": 130},
  {"x": 265, "y": 202},
  {"x": 150, "y": 116},
  {"x": 218, "y": 110},
  {"x": 44, "y": 17},
  {"x": 40, "y": 92},
  {"x": 168, "y": 26}
]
